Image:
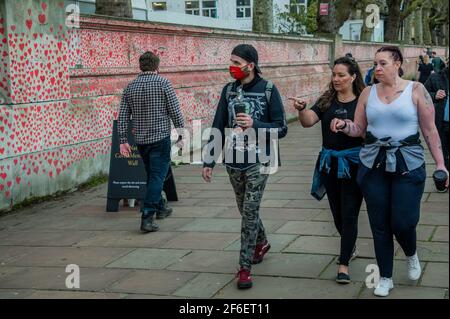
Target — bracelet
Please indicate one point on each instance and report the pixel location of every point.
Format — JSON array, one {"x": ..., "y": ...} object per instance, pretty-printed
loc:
[
  {"x": 342, "y": 128},
  {"x": 302, "y": 109}
]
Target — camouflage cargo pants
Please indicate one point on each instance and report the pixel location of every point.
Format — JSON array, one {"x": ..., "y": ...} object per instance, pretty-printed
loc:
[{"x": 249, "y": 187}]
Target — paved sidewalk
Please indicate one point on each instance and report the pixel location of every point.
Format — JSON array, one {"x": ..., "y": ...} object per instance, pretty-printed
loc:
[{"x": 195, "y": 254}]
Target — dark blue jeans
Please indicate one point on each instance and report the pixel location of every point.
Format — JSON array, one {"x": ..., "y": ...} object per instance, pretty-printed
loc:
[
  {"x": 393, "y": 206},
  {"x": 156, "y": 158}
]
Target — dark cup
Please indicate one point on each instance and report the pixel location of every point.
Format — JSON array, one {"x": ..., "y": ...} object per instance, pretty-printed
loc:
[
  {"x": 240, "y": 108},
  {"x": 341, "y": 114},
  {"x": 440, "y": 177}
]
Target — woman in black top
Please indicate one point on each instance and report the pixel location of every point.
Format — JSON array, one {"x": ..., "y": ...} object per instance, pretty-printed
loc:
[{"x": 338, "y": 181}]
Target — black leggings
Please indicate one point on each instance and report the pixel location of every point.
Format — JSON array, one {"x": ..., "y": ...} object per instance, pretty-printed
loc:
[{"x": 345, "y": 198}]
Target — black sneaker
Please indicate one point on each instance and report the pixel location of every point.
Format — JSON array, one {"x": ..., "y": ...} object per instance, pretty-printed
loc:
[
  {"x": 343, "y": 278},
  {"x": 165, "y": 212},
  {"x": 148, "y": 225}
]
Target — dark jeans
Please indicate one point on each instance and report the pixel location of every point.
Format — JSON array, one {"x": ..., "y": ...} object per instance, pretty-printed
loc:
[
  {"x": 345, "y": 198},
  {"x": 156, "y": 158},
  {"x": 393, "y": 206}
]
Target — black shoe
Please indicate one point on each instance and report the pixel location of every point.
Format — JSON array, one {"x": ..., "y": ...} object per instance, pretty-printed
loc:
[
  {"x": 165, "y": 212},
  {"x": 343, "y": 278},
  {"x": 148, "y": 225}
]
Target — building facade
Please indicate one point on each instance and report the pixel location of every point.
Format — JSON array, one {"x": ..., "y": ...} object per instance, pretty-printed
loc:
[{"x": 227, "y": 14}]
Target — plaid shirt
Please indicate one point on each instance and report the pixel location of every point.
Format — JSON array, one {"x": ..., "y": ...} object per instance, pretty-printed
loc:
[{"x": 150, "y": 101}]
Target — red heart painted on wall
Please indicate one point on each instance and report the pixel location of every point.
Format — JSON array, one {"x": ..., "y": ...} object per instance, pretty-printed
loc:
[
  {"x": 42, "y": 18},
  {"x": 29, "y": 23},
  {"x": 44, "y": 6}
]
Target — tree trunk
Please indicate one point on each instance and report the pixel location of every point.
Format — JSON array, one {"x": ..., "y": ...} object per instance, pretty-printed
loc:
[
  {"x": 418, "y": 27},
  {"x": 407, "y": 28},
  {"x": 426, "y": 26},
  {"x": 446, "y": 30},
  {"x": 366, "y": 33},
  {"x": 338, "y": 12},
  {"x": 263, "y": 16},
  {"x": 392, "y": 23},
  {"x": 115, "y": 8}
]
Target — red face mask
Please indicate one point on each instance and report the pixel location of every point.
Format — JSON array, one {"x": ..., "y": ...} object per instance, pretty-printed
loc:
[{"x": 237, "y": 73}]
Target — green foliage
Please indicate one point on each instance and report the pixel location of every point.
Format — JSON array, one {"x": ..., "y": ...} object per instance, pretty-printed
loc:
[{"x": 297, "y": 23}]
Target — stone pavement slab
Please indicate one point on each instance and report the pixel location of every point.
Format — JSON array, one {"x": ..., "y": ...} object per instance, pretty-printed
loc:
[
  {"x": 225, "y": 225},
  {"x": 200, "y": 240},
  {"x": 293, "y": 265},
  {"x": 149, "y": 258},
  {"x": 159, "y": 282},
  {"x": 291, "y": 288},
  {"x": 441, "y": 234},
  {"x": 407, "y": 292},
  {"x": 308, "y": 228},
  {"x": 208, "y": 261},
  {"x": 63, "y": 256},
  {"x": 54, "y": 278},
  {"x": 132, "y": 238},
  {"x": 204, "y": 286},
  {"x": 277, "y": 242},
  {"x": 436, "y": 275}
]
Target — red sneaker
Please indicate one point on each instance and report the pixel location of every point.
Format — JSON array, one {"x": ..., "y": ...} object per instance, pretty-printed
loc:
[
  {"x": 245, "y": 280},
  {"x": 260, "y": 251}
]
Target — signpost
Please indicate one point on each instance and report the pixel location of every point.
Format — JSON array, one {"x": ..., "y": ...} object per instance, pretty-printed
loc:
[
  {"x": 324, "y": 7},
  {"x": 127, "y": 177}
]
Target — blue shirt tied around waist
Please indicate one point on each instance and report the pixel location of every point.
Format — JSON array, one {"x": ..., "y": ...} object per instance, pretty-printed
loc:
[
  {"x": 410, "y": 149},
  {"x": 324, "y": 166},
  {"x": 446, "y": 111}
]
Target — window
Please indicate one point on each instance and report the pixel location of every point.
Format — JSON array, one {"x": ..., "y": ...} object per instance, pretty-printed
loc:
[
  {"x": 298, "y": 6},
  {"x": 209, "y": 9},
  {"x": 192, "y": 7},
  {"x": 159, "y": 6},
  {"x": 243, "y": 9}
]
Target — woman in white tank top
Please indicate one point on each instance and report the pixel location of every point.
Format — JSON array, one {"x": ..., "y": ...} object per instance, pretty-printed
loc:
[{"x": 392, "y": 170}]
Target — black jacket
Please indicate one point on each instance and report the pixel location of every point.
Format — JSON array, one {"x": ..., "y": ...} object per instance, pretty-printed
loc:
[
  {"x": 438, "y": 81},
  {"x": 265, "y": 114}
]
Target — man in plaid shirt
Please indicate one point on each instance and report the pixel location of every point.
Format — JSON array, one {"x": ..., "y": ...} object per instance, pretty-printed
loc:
[{"x": 150, "y": 102}]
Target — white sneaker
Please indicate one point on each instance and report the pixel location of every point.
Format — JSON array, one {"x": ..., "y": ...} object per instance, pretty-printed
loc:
[
  {"x": 414, "y": 270},
  {"x": 383, "y": 287}
]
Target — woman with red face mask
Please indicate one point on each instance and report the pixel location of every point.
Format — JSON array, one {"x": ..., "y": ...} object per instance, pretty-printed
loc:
[
  {"x": 248, "y": 108},
  {"x": 392, "y": 169}
]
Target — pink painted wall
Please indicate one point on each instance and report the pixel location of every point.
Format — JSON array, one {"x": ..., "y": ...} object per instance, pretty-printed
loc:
[{"x": 60, "y": 88}]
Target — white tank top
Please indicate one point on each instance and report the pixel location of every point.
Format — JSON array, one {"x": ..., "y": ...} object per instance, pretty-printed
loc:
[{"x": 397, "y": 120}]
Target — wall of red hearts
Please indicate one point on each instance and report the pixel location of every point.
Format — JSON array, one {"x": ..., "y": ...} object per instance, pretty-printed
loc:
[{"x": 60, "y": 86}]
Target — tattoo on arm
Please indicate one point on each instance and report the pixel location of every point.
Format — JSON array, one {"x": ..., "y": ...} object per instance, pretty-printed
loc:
[{"x": 428, "y": 100}]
